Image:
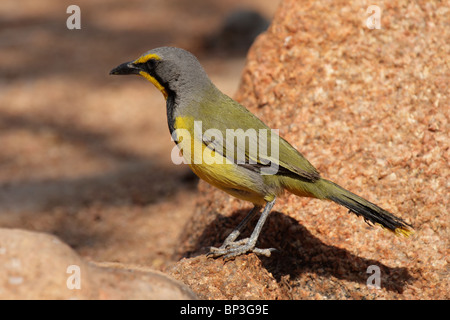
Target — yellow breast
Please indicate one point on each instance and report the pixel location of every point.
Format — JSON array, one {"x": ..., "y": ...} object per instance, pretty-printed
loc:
[{"x": 211, "y": 166}]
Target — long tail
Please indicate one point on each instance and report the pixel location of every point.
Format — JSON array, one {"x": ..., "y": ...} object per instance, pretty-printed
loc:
[{"x": 372, "y": 214}]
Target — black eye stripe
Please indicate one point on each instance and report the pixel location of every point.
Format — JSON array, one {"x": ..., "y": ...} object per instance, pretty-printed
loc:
[
  {"x": 148, "y": 66},
  {"x": 151, "y": 63}
]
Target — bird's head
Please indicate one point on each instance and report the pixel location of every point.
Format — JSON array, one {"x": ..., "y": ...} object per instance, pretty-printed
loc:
[{"x": 170, "y": 69}]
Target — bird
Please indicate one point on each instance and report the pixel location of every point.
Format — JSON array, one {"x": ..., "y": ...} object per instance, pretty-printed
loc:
[{"x": 195, "y": 106}]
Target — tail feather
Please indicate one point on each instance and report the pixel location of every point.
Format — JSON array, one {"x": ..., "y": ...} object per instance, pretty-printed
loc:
[{"x": 371, "y": 213}]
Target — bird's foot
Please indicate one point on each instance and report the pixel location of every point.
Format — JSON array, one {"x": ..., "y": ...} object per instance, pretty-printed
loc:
[{"x": 232, "y": 249}]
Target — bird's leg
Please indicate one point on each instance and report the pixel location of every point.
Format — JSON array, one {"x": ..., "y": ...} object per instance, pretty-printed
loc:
[
  {"x": 231, "y": 248},
  {"x": 229, "y": 241}
]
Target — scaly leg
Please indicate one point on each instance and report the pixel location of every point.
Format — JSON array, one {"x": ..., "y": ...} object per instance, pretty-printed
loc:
[{"x": 231, "y": 248}]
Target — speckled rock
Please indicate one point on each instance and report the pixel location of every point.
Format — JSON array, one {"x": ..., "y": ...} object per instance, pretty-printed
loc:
[
  {"x": 40, "y": 266},
  {"x": 368, "y": 108}
]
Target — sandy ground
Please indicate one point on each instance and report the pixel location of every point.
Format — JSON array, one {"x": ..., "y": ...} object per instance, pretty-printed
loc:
[{"x": 84, "y": 155}]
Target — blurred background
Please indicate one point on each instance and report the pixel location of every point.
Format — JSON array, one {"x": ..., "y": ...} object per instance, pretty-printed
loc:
[{"x": 86, "y": 156}]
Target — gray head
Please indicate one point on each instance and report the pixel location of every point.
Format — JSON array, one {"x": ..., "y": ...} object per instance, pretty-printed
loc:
[{"x": 173, "y": 71}]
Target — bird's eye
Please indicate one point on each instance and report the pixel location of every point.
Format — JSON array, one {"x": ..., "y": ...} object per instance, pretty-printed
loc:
[{"x": 151, "y": 63}]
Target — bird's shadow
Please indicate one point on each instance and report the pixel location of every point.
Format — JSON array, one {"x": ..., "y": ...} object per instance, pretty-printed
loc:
[{"x": 299, "y": 251}]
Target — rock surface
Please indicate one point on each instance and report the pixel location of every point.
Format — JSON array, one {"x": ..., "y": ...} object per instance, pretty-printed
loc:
[
  {"x": 40, "y": 266},
  {"x": 86, "y": 157},
  {"x": 368, "y": 108}
]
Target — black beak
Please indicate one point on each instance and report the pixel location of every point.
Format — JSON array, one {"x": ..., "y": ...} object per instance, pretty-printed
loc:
[{"x": 126, "y": 68}]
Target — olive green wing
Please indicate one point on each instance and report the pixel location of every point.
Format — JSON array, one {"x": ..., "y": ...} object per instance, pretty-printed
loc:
[{"x": 233, "y": 131}]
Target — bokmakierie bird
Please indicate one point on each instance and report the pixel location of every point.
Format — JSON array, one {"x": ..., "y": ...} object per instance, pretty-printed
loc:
[{"x": 191, "y": 97}]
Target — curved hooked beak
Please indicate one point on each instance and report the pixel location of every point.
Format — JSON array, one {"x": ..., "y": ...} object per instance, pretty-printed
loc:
[{"x": 126, "y": 68}]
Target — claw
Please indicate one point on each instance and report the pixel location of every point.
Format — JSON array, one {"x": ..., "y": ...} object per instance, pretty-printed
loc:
[
  {"x": 231, "y": 248},
  {"x": 236, "y": 248},
  {"x": 264, "y": 252}
]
